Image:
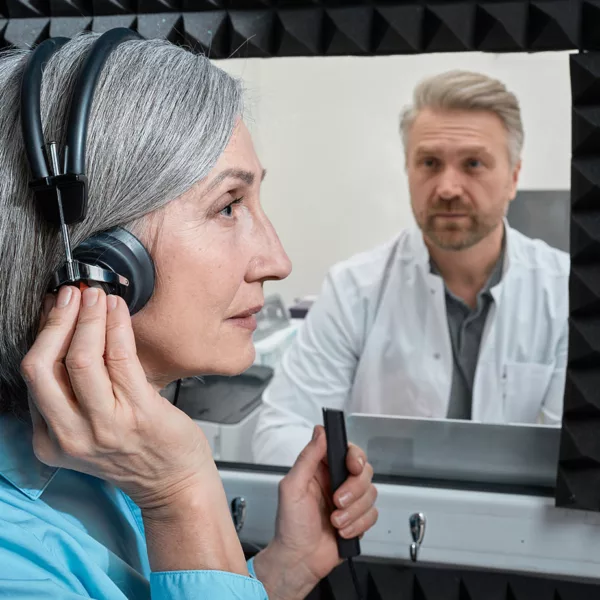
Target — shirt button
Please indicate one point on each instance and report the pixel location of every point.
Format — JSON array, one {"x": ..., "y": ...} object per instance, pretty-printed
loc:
[{"x": 436, "y": 356}]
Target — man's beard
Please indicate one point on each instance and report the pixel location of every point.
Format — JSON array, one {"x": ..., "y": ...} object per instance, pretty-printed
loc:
[{"x": 455, "y": 235}]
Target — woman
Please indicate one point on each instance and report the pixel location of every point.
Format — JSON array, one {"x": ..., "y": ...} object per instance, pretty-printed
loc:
[{"x": 106, "y": 489}]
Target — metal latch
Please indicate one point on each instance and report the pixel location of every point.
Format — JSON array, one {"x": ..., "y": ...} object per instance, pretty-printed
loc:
[
  {"x": 238, "y": 512},
  {"x": 416, "y": 523}
]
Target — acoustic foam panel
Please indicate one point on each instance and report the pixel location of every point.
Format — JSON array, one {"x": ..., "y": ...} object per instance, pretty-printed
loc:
[
  {"x": 578, "y": 477},
  {"x": 266, "y": 28},
  {"x": 389, "y": 582}
]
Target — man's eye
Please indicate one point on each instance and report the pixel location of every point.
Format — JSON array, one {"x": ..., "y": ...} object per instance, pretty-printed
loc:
[{"x": 473, "y": 163}]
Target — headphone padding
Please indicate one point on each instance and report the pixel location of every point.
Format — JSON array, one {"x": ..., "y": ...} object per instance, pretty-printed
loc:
[{"x": 118, "y": 250}]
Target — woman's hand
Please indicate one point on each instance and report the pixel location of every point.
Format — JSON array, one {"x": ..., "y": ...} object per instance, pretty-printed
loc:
[
  {"x": 94, "y": 411},
  {"x": 304, "y": 549}
]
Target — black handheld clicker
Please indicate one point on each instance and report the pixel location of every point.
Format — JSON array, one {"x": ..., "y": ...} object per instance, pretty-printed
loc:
[{"x": 337, "y": 449}]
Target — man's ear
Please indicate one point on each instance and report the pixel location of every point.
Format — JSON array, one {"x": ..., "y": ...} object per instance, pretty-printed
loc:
[{"x": 515, "y": 180}]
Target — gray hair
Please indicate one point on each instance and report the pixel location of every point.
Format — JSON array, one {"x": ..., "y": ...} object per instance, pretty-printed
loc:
[
  {"x": 466, "y": 90},
  {"x": 161, "y": 117}
]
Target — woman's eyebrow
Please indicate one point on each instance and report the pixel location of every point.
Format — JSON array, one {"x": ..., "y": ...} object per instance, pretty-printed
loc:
[{"x": 246, "y": 176}]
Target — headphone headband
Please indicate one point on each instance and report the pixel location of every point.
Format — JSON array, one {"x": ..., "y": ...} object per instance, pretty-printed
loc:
[
  {"x": 114, "y": 260},
  {"x": 83, "y": 95},
  {"x": 72, "y": 183},
  {"x": 31, "y": 120}
]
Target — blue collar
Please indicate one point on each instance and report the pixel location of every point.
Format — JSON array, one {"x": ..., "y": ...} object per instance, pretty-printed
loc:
[{"x": 18, "y": 463}]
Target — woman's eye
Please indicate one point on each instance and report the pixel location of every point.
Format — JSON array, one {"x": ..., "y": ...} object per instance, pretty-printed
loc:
[{"x": 228, "y": 210}]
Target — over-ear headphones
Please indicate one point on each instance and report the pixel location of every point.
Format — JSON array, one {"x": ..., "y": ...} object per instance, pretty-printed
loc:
[{"x": 114, "y": 260}]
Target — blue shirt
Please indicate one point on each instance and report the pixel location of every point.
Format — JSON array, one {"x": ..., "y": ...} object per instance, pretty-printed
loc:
[{"x": 67, "y": 535}]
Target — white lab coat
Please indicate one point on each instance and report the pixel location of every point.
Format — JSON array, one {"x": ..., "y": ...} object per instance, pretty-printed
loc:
[{"x": 376, "y": 341}]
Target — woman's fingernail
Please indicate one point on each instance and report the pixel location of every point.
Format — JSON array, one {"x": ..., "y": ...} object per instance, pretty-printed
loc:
[
  {"x": 111, "y": 303},
  {"x": 64, "y": 296},
  {"x": 48, "y": 304},
  {"x": 90, "y": 296},
  {"x": 341, "y": 519},
  {"x": 345, "y": 499},
  {"x": 361, "y": 460},
  {"x": 348, "y": 532}
]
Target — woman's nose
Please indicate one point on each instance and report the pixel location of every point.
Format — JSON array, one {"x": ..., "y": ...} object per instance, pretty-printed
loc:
[{"x": 272, "y": 261}]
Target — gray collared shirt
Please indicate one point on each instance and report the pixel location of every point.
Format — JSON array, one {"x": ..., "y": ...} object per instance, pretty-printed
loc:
[{"x": 465, "y": 325}]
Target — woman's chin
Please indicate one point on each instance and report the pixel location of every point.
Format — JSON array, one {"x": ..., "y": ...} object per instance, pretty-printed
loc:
[{"x": 235, "y": 362}]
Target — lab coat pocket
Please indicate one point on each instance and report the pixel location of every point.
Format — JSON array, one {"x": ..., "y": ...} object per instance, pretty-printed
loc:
[{"x": 525, "y": 386}]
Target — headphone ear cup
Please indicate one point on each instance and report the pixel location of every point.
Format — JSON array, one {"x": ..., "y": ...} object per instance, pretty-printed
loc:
[{"x": 119, "y": 251}]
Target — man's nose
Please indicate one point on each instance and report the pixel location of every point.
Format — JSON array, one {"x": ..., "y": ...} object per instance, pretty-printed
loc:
[{"x": 449, "y": 184}]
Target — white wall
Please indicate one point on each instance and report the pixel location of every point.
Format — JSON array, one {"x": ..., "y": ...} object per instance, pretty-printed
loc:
[{"x": 326, "y": 129}]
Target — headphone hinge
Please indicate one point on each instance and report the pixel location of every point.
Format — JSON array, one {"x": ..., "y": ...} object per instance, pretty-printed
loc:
[{"x": 73, "y": 193}]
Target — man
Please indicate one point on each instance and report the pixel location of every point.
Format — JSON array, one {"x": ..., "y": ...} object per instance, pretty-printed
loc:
[{"x": 461, "y": 317}]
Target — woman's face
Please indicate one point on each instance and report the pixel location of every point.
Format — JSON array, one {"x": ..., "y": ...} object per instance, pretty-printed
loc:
[{"x": 215, "y": 248}]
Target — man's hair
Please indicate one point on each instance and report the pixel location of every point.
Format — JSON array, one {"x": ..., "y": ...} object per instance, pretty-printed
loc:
[
  {"x": 160, "y": 119},
  {"x": 466, "y": 90}
]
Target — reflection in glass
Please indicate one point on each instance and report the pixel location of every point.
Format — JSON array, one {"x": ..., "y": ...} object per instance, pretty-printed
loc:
[
  {"x": 459, "y": 451},
  {"x": 384, "y": 224},
  {"x": 226, "y": 408}
]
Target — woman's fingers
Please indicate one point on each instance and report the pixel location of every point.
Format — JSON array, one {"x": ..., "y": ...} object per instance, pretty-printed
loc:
[
  {"x": 85, "y": 359},
  {"x": 353, "y": 514},
  {"x": 124, "y": 368},
  {"x": 362, "y": 524},
  {"x": 56, "y": 330},
  {"x": 355, "y": 498},
  {"x": 356, "y": 459},
  {"x": 43, "y": 368},
  {"x": 49, "y": 302},
  {"x": 354, "y": 487}
]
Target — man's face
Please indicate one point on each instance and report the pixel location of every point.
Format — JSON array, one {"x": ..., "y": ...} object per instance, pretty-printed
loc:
[{"x": 459, "y": 175}]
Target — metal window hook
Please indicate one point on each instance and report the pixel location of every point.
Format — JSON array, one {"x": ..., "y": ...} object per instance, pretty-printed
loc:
[{"x": 417, "y": 523}]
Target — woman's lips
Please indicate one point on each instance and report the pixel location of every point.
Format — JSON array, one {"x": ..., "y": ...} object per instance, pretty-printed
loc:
[
  {"x": 246, "y": 319},
  {"x": 245, "y": 322}
]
